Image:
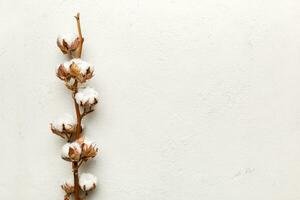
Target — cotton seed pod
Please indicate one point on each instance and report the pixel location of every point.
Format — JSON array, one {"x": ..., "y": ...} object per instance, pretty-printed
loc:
[
  {"x": 62, "y": 72},
  {"x": 71, "y": 152},
  {"x": 81, "y": 71},
  {"x": 68, "y": 43},
  {"x": 87, "y": 97},
  {"x": 68, "y": 186},
  {"x": 87, "y": 182},
  {"x": 75, "y": 70},
  {"x": 64, "y": 126}
]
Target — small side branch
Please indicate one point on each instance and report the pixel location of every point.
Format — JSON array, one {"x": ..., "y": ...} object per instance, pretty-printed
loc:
[
  {"x": 86, "y": 111},
  {"x": 76, "y": 181}
]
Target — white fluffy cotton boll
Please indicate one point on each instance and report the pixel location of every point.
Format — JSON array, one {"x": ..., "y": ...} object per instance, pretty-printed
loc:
[
  {"x": 89, "y": 150},
  {"x": 68, "y": 185},
  {"x": 66, "y": 121},
  {"x": 89, "y": 142},
  {"x": 80, "y": 70},
  {"x": 82, "y": 65},
  {"x": 87, "y": 181},
  {"x": 69, "y": 181},
  {"x": 66, "y": 66},
  {"x": 75, "y": 155},
  {"x": 86, "y": 95},
  {"x": 69, "y": 38}
]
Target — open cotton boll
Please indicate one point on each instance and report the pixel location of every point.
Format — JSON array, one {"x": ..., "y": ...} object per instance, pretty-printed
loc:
[
  {"x": 68, "y": 185},
  {"x": 89, "y": 149},
  {"x": 69, "y": 182},
  {"x": 66, "y": 65},
  {"x": 88, "y": 144},
  {"x": 83, "y": 66},
  {"x": 76, "y": 68},
  {"x": 86, "y": 95},
  {"x": 87, "y": 181},
  {"x": 64, "y": 121},
  {"x": 75, "y": 154},
  {"x": 69, "y": 38}
]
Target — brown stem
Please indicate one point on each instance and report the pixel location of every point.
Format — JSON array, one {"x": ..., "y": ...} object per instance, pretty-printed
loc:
[
  {"x": 75, "y": 165},
  {"x": 79, "y": 118},
  {"x": 76, "y": 181},
  {"x": 77, "y": 17},
  {"x": 77, "y": 135}
]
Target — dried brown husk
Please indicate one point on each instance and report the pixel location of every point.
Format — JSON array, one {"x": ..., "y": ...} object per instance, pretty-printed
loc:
[
  {"x": 67, "y": 131},
  {"x": 69, "y": 189},
  {"x": 80, "y": 77},
  {"x": 88, "y": 151},
  {"x": 66, "y": 48}
]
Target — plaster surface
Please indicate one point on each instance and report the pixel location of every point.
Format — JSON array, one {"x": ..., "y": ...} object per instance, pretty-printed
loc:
[{"x": 200, "y": 99}]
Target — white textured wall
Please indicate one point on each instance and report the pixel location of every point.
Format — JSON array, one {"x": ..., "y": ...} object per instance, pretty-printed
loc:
[{"x": 200, "y": 99}]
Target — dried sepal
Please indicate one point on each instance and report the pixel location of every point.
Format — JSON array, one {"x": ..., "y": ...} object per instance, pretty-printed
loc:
[
  {"x": 87, "y": 110},
  {"x": 89, "y": 150},
  {"x": 62, "y": 72}
]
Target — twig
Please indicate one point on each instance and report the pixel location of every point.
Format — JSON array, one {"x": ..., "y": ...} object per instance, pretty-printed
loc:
[
  {"x": 77, "y": 17},
  {"x": 85, "y": 112}
]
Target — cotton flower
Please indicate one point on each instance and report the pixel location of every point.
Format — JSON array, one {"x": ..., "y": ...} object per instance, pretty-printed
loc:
[
  {"x": 89, "y": 149},
  {"x": 68, "y": 185},
  {"x": 77, "y": 69},
  {"x": 87, "y": 182},
  {"x": 64, "y": 126},
  {"x": 68, "y": 43},
  {"x": 86, "y": 97},
  {"x": 71, "y": 151}
]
